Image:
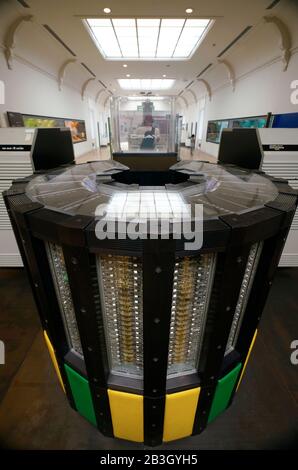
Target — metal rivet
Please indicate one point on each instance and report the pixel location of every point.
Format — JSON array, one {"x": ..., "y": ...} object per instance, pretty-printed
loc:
[
  {"x": 155, "y": 359},
  {"x": 153, "y": 425},
  {"x": 83, "y": 310},
  {"x": 239, "y": 259},
  {"x": 36, "y": 284},
  {"x": 154, "y": 390},
  {"x": 219, "y": 346},
  {"x": 228, "y": 308},
  {"x": 153, "y": 407},
  {"x": 90, "y": 349},
  {"x": 74, "y": 260},
  {"x": 158, "y": 270},
  {"x": 156, "y": 320}
]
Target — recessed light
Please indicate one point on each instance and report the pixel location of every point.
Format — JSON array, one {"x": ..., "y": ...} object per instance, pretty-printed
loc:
[
  {"x": 164, "y": 75},
  {"x": 124, "y": 65},
  {"x": 188, "y": 11},
  {"x": 127, "y": 75},
  {"x": 107, "y": 10}
]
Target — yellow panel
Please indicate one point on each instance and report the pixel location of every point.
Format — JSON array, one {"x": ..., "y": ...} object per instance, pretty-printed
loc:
[
  {"x": 54, "y": 360},
  {"x": 127, "y": 415},
  {"x": 247, "y": 357},
  {"x": 180, "y": 413}
]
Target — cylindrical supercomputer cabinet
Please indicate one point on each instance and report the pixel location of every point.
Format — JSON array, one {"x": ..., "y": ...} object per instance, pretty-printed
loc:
[{"x": 149, "y": 339}]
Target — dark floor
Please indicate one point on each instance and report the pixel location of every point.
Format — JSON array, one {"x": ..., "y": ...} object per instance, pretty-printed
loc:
[{"x": 35, "y": 415}]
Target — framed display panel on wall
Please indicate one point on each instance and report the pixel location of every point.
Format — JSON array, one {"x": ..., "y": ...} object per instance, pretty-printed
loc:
[
  {"x": 76, "y": 126},
  {"x": 215, "y": 127}
]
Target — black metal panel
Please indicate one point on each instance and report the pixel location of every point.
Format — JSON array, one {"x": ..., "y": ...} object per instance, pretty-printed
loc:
[
  {"x": 154, "y": 409},
  {"x": 78, "y": 269},
  {"x": 268, "y": 263},
  {"x": 224, "y": 296},
  {"x": 102, "y": 410},
  {"x": 158, "y": 274},
  {"x": 203, "y": 409},
  {"x": 77, "y": 260},
  {"x": 253, "y": 226},
  {"x": 35, "y": 262},
  {"x": 182, "y": 382}
]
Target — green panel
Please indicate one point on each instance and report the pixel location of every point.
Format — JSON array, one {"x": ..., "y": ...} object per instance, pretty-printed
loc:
[
  {"x": 223, "y": 392},
  {"x": 81, "y": 394}
]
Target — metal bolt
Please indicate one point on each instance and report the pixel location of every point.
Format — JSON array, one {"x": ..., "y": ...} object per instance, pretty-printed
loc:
[{"x": 158, "y": 270}]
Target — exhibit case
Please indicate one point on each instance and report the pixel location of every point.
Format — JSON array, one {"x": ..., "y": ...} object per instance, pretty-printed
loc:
[{"x": 150, "y": 337}]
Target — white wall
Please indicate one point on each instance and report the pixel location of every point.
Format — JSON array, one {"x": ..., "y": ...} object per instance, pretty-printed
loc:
[
  {"x": 32, "y": 91},
  {"x": 265, "y": 90},
  {"x": 261, "y": 84}
]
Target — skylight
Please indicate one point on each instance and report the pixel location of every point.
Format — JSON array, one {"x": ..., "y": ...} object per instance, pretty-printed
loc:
[
  {"x": 147, "y": 39},
  {"x": 145, "y": 84}
]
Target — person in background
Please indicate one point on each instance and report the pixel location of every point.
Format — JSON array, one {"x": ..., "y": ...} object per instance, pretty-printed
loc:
[
  {"x": 148, "y": 141},
  {"x": 192, "y": 144}
]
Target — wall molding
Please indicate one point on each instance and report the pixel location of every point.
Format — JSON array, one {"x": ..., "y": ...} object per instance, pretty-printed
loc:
[
  {"x": 62, "y": 72},
  {"x": 250, "y": 72},
  {"x": 207, "y": 86},
  {"x": 11, "y": 38},
  {"x": 230, "y": 70},
  {"x": 285, "y": 42},
  {"x": 84, "y": 87},
  {"x": 189, "y": 90}
]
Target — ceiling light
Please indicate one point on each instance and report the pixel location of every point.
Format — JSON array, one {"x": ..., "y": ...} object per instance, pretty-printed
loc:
[
  {"x": 164, "y": 75},
  {"x": 188, "y": 11},
  {"x": 128, "y": 75},
  {"x": 148, "y": 39},
  {"x": 124, "y": 65},
  {"x": 107, "y": 10},
  {"x": 146, "y": 84}
]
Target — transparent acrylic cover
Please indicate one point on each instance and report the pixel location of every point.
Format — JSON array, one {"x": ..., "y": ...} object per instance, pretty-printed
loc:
[{"x": 222, "y": 190}]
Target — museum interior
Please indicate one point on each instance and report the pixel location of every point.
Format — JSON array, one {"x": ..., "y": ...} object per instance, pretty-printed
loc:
[{"x": 148, "y": 224}]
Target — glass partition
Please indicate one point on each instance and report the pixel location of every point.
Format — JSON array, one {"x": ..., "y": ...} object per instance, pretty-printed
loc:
[{"x": 143, "y": 124}]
